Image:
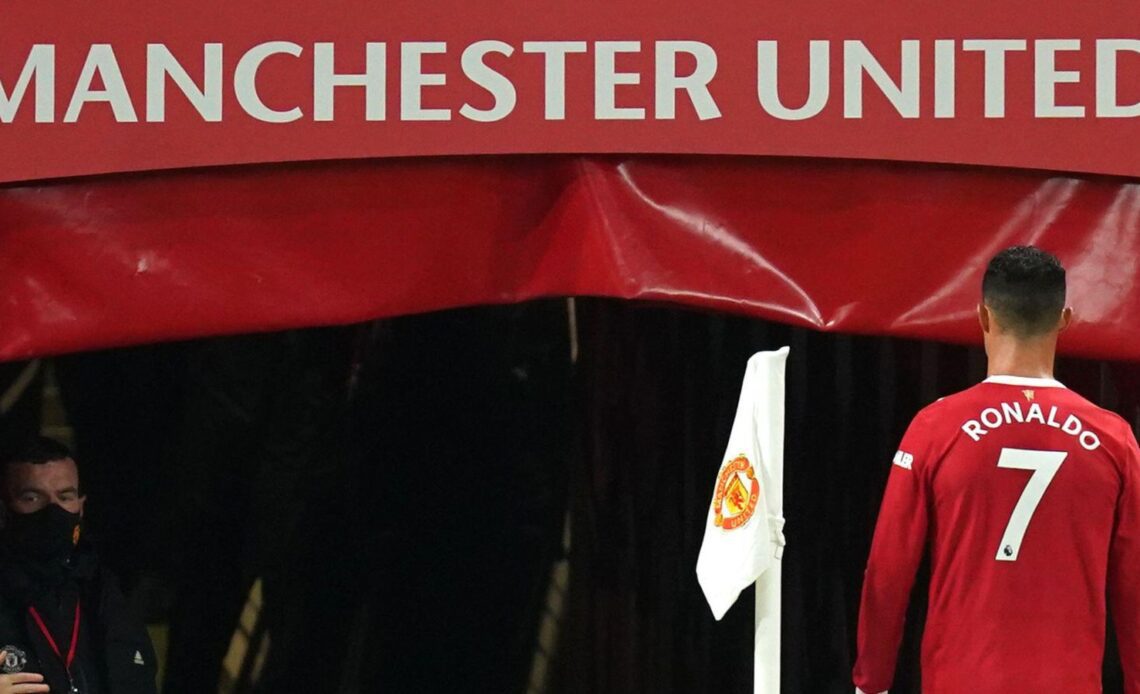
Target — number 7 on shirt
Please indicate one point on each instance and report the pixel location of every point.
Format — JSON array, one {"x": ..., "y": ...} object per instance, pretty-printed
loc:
[{"x": 1044, "y": 465}]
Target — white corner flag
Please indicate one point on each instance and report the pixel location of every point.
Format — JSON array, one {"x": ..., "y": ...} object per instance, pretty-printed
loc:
[{"x": 744, "y": 536}]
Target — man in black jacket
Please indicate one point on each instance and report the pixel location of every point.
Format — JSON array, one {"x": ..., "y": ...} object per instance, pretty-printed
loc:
[{"x": 64, "y": 626}]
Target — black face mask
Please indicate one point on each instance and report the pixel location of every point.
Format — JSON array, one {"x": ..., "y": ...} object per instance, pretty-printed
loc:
[{"x": 47, "y": 535}]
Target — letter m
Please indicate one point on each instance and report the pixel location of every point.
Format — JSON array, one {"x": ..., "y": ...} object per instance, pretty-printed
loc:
[{"x": 39, "y": 66}]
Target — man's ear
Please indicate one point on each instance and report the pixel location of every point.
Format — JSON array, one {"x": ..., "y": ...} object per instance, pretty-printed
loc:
[
  {"x": 984, "y": 317},
  {"x": 82, "y": 503},
  {"x": 1066, "y": 319}
]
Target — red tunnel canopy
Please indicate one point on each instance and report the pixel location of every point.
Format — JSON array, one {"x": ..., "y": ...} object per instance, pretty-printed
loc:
[{"x": 860, "y": 247}]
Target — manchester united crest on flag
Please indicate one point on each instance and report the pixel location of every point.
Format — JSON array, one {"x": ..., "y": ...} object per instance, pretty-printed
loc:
[{"x": 737, "y": 493}]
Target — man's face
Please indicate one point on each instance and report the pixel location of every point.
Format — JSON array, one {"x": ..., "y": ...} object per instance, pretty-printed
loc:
[{"x": 33, "y": 487}]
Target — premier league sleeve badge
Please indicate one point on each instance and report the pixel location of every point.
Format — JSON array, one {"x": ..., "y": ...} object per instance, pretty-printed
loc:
[{"x": 15, "y": 660}]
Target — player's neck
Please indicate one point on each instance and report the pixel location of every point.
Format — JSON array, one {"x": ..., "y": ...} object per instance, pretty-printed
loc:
[{"x": 1029, "y": 358}]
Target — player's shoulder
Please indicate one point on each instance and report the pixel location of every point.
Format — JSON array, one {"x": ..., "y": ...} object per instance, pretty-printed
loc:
[
  {"x": 945, "y": 415},
  {"x": 947, "y": 406},
  {"x": 930, "y": 432},
  {"x": 940, "y": 418},
  {"x": 1104, "y": 419},
  {"x": 1119, "y": 431}
]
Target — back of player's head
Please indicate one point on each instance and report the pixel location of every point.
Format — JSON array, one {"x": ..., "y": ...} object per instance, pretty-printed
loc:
[{"x": 1025, "y": 287}]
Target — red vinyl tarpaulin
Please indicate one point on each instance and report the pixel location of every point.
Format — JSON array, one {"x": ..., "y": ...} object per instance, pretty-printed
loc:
[{"x": 861, "y": 247}]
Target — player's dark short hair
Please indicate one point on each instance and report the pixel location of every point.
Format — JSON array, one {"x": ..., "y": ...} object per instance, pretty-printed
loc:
[
  {"x": 37, "y": 450},
  {"x": 1025, "y": 287}
]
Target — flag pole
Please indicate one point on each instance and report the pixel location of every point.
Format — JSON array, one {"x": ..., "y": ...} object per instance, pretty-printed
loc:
[
  {"x": 770, "y": 434},
  {"x": 766, "y": 649}
]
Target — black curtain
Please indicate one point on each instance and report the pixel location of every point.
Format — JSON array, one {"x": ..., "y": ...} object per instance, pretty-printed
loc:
[
  {"x": 462, "y": 424},
  {"x": 257, "y": 477},
  {"x": 123, "y": 406},
  {"x": 21, "y": 402}
]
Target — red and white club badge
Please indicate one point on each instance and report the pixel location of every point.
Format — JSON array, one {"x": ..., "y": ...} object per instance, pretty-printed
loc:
[
  {"x": 737, "y": 493},
  {"x": 15, "y": 660}
]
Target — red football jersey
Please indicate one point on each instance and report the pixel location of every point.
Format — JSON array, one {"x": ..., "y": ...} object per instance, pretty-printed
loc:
[{"x": 1029, "y": 496}]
